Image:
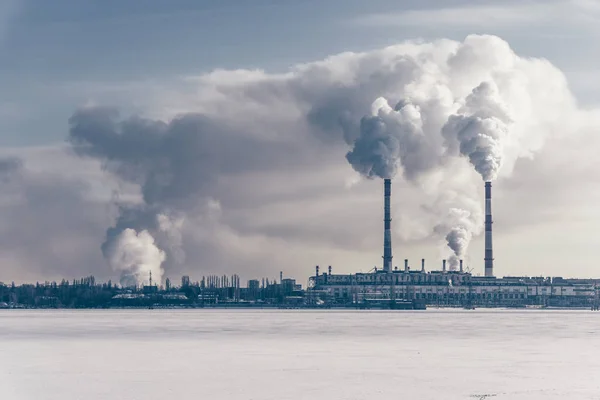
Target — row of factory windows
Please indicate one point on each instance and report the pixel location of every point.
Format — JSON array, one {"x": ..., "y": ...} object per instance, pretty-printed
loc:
[
  {"x": 424, "y": 278},
  {"x": 463, "y": 296},
  {"x": 462, "y": 292},
  {"x": 432, "y": 296},
  {"x": 393, "y": 278}
]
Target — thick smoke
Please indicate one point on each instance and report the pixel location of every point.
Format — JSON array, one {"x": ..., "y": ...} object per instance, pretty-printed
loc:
[
  {"x": 135, "y": 255},
  {"x": 171, "y": 163},
  {"x": 395, "y": 109},
  {"x": 388, "y": 139},
  {"x": 177, "y": 166},
  {"x": 480, "y": 129}
]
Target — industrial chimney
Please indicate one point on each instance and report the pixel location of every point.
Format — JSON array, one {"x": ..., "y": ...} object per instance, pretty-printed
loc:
[
  {"x": 422, "y": 265},
  {"x": 489, "y": 256},
  {"x": 405, "y": 265},
  {"x": 461, "y": 266},
  {"x": 444, "y": 265},
  {"x": 329, "y": 270},
  {"x": 387, "y": 220},
  {"x": 317, "y": 270}
]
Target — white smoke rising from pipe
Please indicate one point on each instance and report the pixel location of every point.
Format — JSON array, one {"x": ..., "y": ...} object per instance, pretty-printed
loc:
[
  {"x": 459, "y": 227},
  {"x": 479, "y": 130},
  {"x": 386, "y": 139},
  {"x": 135, "y": 255},
  {"x": 326, "y": 99}
]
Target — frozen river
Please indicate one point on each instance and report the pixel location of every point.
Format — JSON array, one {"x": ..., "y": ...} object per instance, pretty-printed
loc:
[{"x": 279, "y": 355}]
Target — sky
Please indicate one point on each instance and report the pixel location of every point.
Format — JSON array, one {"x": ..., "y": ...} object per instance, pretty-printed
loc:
[{"x": 235, "y": 118}]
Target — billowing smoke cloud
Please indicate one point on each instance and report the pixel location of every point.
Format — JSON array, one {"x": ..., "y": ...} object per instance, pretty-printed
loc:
[
  {"x": 480, "y": 129},
  {"x": 388, "y": 138},
  {"x": 177, "y": 165},
  {"x": 395, "y": 109},
  {"x": 135, "y": 256}
]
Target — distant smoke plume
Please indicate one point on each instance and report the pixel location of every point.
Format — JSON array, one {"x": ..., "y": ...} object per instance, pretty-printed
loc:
[
  {"x": 176, "y": 164},
  {"x": 171, "y": 162},
  {"x": 172, "y": 228},
  {"x": 459, "y": 236},
  {"x": 392, "y": 112},
  {"x": 459, "y": 226},
  {"x": 480, "y": 129},
  {"x": 135, "y": 255}
]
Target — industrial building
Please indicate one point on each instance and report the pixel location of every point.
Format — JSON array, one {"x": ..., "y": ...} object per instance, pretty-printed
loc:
[{"x": 386, "y": 287}]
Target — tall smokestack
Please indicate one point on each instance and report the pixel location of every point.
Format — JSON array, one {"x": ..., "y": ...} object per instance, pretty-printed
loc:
[
  {"x": 461, "y": 266},
  {"x": 422, "y": 265},
  {"x": 387, "y": 221},
  {"x": 444, "y": 265},
  {"x": 489, "y": 256},
  {"x": 406, "y": 265}
]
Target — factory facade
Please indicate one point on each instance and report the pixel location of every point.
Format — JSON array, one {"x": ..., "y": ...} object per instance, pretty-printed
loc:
[{"x": 452, "y": 288}]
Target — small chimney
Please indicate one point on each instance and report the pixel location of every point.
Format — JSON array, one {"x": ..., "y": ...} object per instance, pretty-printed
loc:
[
  {"x": 444, "y": 265},
  {"x": 317, "y": 270},
  {"x": 461, "y": 266},
  {"x": 329, "y": 269},
  {"x": 405, "y": 265},
  {"x": 422, "y": 265}
]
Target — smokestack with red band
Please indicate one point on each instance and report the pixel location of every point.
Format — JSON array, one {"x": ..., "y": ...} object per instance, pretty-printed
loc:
[
  {"x": 489, "y": 254},
  {"x": 387, "y": 221}
]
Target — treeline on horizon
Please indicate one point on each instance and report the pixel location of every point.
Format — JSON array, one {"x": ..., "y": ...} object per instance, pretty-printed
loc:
[
  {"x": 86, "y": 293},
  {"x": 80, "y": 293}
]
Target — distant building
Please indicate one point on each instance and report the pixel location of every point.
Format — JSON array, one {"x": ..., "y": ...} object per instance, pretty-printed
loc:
[{"x": 451, "y": 288}]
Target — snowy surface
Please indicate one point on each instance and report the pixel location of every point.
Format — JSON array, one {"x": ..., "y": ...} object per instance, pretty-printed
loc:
[{"x": 279, "y": 355}]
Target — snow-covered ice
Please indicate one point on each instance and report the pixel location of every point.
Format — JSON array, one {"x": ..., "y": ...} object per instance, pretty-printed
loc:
[{"x": 279, "y": 355}]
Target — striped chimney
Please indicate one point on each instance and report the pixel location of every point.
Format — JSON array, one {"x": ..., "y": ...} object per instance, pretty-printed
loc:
[{"x": 489, "y": 253}]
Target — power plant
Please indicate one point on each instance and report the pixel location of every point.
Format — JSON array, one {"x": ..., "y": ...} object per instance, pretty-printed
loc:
[
  {"x": 406, "y": 288},
  {"x": 388, "y": 287}
]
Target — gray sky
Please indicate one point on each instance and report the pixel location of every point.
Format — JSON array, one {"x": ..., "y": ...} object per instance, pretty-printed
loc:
[{"x": 265, "y": 186}]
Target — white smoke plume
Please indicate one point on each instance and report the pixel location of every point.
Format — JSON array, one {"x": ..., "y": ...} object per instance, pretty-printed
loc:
[
  {"x": 459, "y": 225},
  {"x": 460, "y": 236},
  {"x": 135, "y": 255},
  {"x": 480, "y": 129},
  {"x": 171, "y": 226},
  {"x": 388, "y": 138},
  {"x": 388, "y": 107}
]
